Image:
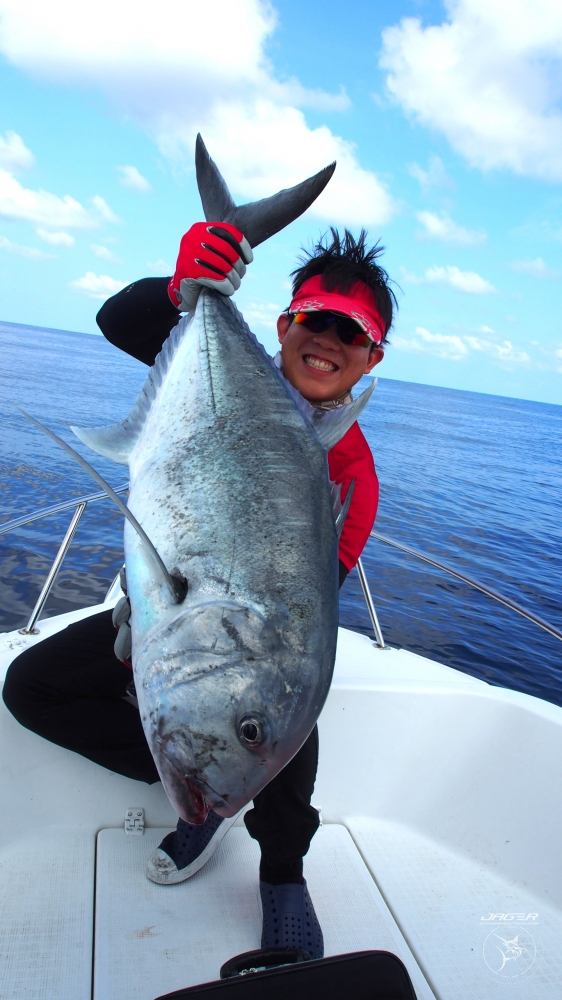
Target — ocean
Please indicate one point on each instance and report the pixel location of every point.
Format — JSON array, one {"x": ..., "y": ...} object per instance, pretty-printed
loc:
[{"x": 474, "y": 480}]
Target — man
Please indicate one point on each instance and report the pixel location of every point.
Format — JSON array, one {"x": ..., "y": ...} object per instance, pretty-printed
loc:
[{"x": 331, "y": 335}]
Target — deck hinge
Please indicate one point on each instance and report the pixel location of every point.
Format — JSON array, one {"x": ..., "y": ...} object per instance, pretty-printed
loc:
[{"x": 134, "y": 821}]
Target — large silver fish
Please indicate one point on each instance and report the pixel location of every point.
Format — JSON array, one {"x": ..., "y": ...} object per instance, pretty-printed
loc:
[{"x": 233, "y": 646}]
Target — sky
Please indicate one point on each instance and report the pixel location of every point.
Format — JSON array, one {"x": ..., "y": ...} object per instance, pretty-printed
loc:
[{"x": 445, "y": 120}]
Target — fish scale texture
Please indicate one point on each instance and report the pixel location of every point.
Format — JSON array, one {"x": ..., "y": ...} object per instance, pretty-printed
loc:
[
  {"x": 289, "y": 919},
  {"x": 230, "y": 484}
]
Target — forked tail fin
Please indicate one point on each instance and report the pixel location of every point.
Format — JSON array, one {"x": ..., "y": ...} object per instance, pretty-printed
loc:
[{"x": 258, "y": 220}]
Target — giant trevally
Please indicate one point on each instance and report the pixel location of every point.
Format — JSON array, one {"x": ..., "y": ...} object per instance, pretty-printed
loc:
[{"x": 233, "y": 643}]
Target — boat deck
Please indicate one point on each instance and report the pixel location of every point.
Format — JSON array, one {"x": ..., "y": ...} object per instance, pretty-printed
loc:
[
  {"x": 438, "y": 793},
  {"x": 175, "y": 935},
  {"x": 374, "y": 885}
]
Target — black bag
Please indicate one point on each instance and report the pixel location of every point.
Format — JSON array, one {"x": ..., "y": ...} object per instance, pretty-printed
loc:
[{"x": 361, "y": 975}]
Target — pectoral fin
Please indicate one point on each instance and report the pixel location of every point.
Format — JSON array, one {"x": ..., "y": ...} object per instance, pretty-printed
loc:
[{"x": 331, "y": 425}]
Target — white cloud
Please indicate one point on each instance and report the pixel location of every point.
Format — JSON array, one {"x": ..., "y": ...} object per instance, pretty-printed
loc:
[
  {"x": 22, "y": 251},
  {"x": 463, "y": 281},
  {"x": 442, "y": 227},
  {"x": 56, "y": 239},
  {"x": 159, "y": 267},
  {"x": 97, "y": 286},
  {"x": 173, "y": 41},
  {"x": 488, "y": 78},
  {"x": 432, "y": 176},
  {"x": 503, "y": 350},
  {"x": 40, "y": 207},
  {"x": 103, "y": 252},
  {"x": 101, "y": 206},
  {"x": 354, "y": 196},
  {"x": 132, "y": 178},
  {"x": 174, "y": 86},
  {"x": 293, "y": 92},
  {"x": 441, "y": 345},
  {"x": 459, "y": 347},
  {"x": 263, "y": 315},
  {"x": 14, "y": 154},
  {"x": 410, "y": 278},
  {"x": 536, "y": 268}
]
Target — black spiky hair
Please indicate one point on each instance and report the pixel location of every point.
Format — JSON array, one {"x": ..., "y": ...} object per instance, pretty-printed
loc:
[{"x": 342, "y": 262}]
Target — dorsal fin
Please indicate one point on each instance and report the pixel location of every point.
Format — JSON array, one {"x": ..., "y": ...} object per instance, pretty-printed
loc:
[{"x": 116, "y": 441}]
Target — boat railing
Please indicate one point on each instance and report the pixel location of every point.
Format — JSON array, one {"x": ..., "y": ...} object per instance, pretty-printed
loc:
[
  {"x": 79, "y": 504},
  {"x": 495, "y": 595}
]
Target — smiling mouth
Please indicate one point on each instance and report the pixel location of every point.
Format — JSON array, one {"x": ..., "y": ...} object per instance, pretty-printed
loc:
[{"x": 319, "y": 364}]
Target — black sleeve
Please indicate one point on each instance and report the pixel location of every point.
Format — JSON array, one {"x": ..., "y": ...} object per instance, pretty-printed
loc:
[{"x": 139, "y": 318}]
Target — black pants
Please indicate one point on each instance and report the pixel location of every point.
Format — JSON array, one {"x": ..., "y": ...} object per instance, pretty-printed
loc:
[{"x": 70, "y": 689}]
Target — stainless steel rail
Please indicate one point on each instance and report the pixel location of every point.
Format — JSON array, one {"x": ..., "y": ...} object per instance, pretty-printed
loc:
[
  {"x": 30, "y": 629},
  {"x": 488, "y": 591},
  {"x": 79, "y": 505},
  {"x": 370, "y": 606},
  {"x": 57, "y": 508}
]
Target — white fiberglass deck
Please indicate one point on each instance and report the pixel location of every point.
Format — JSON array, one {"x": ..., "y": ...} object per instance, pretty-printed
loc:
[
  {"x": 433, "y": 912},
  {"x": 175, "y": 935},
  {"x": 441, "y": 842}
]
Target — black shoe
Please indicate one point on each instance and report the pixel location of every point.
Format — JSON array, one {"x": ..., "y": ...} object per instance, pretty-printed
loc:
[
  {"x": 289, "y": 920},
  {"x": 184, "y": 851}
]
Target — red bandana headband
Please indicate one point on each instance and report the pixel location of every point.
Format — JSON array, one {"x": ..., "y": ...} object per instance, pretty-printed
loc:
[{"x": 359, "y": 304}]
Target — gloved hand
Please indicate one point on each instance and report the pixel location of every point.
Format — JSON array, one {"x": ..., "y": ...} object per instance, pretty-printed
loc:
[
  {"x": 212, "y": 254},
  {"x": 121, "y": 621}
]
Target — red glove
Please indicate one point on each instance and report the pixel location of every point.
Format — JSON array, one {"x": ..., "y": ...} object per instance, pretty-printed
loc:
[{"x": 213, "y": 254}]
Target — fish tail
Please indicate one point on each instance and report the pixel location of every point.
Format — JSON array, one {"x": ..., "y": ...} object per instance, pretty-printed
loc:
[{"x": 258, "y": 220}]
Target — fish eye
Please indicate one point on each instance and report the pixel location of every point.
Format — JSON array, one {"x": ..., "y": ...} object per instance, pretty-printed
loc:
[{"x": 250, "y": 732}]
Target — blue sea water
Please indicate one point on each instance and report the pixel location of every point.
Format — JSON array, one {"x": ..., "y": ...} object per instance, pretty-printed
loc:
[{"x": 475, "y": 480}]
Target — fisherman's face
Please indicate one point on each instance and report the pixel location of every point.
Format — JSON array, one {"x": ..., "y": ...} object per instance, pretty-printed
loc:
[{"x": 319, "y": 365}]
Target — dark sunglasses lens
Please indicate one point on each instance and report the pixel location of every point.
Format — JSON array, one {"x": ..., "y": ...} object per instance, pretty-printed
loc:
[
  {"x": 348, "y": 331},
  {"x": 351, "y": 334},
  {"x": 317, "y": 322}
]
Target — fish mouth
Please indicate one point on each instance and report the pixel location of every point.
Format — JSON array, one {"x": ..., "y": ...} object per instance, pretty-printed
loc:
[
  {"x": 197, "y": 808},
  {"x": 191, "y": 795},
  {"x": 193, "y": 798},
  {"x": 182, "y": 784}
]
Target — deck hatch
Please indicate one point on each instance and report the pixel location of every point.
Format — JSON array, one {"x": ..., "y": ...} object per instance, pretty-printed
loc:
[{"x": 154, "y": 939}]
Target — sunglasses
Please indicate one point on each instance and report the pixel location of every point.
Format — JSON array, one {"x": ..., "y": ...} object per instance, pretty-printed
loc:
[{"x": 348, "y": 331}]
